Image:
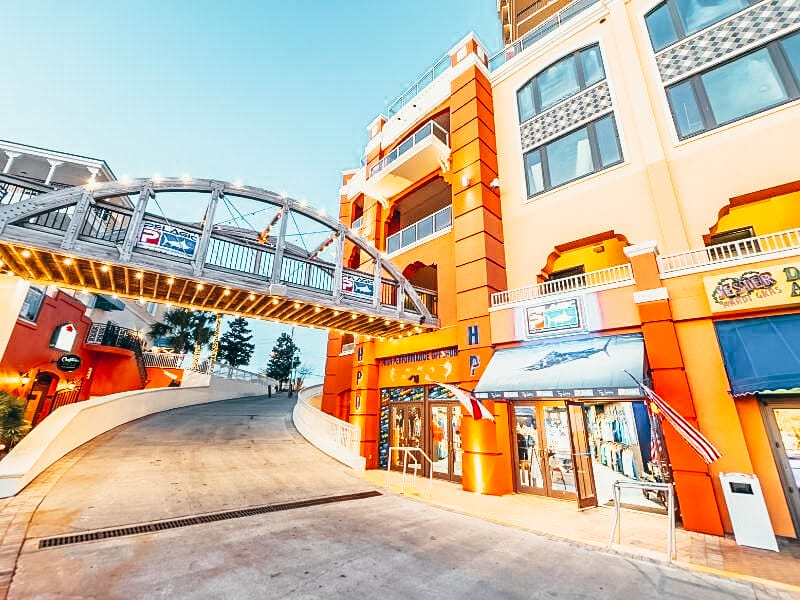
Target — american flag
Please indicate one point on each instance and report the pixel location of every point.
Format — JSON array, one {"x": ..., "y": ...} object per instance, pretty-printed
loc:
[
  {"x": 473, "y": 406},
  {"x": 707, "y": 451}
]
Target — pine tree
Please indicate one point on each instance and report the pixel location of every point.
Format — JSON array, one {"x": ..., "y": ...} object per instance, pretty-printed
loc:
[
  {"x": 234, "y": 345},
  {"x": 284, "y": 359}
]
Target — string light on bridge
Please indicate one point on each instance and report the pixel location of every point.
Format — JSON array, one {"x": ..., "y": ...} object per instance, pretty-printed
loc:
[
  {"x": 26, "y": 254},
  {"x": 264, "y": 235}
]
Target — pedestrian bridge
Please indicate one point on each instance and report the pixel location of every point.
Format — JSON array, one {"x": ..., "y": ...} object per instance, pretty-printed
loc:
[{"x": 211, "y": 245}]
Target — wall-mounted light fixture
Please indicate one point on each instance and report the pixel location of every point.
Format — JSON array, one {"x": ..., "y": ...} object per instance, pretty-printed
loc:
[
  {"x": 495, "y": 183},
  {"x": 25, "y": 378},
  {"x": 465, "y": 181}
]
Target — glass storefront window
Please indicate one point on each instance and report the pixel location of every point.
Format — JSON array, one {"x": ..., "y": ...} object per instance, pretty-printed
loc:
[{"x": 788, "y": 420}]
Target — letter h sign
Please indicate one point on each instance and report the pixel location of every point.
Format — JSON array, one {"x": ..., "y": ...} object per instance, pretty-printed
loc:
[{"x": 472, "y": 335}]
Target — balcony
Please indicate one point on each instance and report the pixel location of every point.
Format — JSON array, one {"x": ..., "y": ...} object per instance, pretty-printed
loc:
[
  {"x": 739, "y": 252},
  {"x": 421, "y": 230},
  {"x": 537, "y": 33},
  {"x": 593, "y": 281},
  {"x": 421, "y": 153},
  {"x": 442, "y": 65}
]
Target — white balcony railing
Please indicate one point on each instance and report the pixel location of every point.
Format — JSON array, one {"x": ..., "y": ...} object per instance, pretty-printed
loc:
[
  {"x": 164, "y": 360},
  {"x": 441, "y": 219},
  {"x": 423, "y": 133},
  {"x": 335, "y": 437},
  {"x": 738, "y": 252},
  {"x": 616, "y": 276},
  {"x": 442, "y": 65}
]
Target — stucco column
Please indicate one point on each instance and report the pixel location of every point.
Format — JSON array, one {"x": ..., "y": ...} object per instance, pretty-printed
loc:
[{"x": 693, "y": 483}]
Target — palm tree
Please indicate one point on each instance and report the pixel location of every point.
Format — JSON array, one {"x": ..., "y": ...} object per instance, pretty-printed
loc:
[
  {"x": 177, "y": 328},
  {"x": 185, "y": 330},
  {"x": 202, "y": 332}
]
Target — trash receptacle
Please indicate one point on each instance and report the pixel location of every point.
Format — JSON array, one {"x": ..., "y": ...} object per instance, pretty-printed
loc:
[{"x": 748, "y": 511}]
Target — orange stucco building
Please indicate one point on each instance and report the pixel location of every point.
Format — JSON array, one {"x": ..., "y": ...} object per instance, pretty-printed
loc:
[{"x": 611, "y": 195}]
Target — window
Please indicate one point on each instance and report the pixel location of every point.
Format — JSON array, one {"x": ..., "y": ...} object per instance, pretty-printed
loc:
[
  {"x": 32, "y": 304},
  {"x": 582, "y": 151},
  {"x": 673, "y": 20},
  {"x": 559, "y": 81},
  {"x": 739, "y": 88}
]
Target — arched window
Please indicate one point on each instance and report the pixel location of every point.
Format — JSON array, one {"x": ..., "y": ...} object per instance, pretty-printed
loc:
[
  {"x": 673, "y": 20},
  {"x": 559, "y": 81}
]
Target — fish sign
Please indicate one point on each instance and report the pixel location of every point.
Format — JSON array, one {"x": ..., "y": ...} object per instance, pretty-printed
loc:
[
  {"x": 168, "y": 239},
  {"x": 358, "y": 286}
]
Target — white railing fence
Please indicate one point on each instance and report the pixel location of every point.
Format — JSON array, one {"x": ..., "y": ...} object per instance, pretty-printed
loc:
[
  {"x": 336, "y": 438},
  {"x": 610, "y": 277},
  {"x": 173, "y": 360},
  {"x": 731, "y": 252}
]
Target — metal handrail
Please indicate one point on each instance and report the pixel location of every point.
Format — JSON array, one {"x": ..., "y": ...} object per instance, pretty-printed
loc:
[
  {"x": 390, "y": 246},
  {"x": 534, "y": 35},
  {"x": 614, "y": 276},
  {"x": 664, "y": 487},
  {"x": 416, "y": 464},
  {"x": 164, "y": 360},
  {"x": 442, "y": 65},
  {"x": 728, "y": 252},
  {"x": 428, "y": 129}
]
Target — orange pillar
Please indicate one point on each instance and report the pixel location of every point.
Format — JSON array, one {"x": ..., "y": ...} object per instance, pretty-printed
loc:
[
  {"x": 365, "y": 403},
  {"x": 479, "y": 259},
  {"x": 693, "y": 484}
]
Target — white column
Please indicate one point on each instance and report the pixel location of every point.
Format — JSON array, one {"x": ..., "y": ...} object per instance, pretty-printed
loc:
[
  {"x": 11, "y": 156},
  {"x": 53, "y": 165}
]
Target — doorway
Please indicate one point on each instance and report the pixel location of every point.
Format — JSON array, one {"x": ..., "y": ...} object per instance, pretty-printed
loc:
[
  {"x": 445, "y": 445},
  {"x": 783, "y": 426},
  {"x": 38, "y": 397},
  {"x": 552, "y": 451},
  {"x": 406, "y": 429}
]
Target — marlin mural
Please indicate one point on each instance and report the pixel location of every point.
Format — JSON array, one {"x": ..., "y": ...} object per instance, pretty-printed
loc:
[{"x": 554, "y": 358}]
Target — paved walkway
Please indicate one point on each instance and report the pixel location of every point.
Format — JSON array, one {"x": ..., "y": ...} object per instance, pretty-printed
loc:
[{"x": 642, "y": 534}]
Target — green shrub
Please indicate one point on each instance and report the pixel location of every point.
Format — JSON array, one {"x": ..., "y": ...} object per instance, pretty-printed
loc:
[{"x": 13, "y": 426}]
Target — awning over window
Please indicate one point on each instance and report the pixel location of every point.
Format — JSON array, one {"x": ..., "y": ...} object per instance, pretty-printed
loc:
[
  {"x": 761, "y": 354},
  {"x": 568, "y": 368},
  {"x": 108, "y": 303}
]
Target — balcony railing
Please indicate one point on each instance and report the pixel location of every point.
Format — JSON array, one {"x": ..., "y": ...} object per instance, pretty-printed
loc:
[
  {"x": 111, "y": 334},
  {"x": 420, "y": 230},
  {"x": 164, "y": 360},
  {"x": 538, "y": 32},
  {"x": 611, "y": 277},
  {"x": 740, "y": 251},
  {"x": 442, "y": 65},
  {"x": 430, "y": 128}
]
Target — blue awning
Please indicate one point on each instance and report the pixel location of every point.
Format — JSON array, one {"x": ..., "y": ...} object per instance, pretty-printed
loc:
[
  {"x": 586, "y": 366},
  {"x": 761, "y": 354}
]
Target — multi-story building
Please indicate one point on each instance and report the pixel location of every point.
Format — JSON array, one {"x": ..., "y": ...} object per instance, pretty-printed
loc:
[
  {"x": 609, "y": 200},
  {"x": 45, "y": 323}
]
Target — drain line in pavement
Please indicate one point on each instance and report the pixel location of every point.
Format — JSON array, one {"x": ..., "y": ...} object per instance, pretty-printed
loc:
[{"x": 102, "y": 534}]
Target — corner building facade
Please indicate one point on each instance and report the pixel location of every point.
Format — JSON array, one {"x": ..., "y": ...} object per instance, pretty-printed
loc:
[{"x": 622, "y": 204}]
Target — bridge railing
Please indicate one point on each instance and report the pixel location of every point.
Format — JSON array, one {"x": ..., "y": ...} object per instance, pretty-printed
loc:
[{"x": 335, "y": 437}]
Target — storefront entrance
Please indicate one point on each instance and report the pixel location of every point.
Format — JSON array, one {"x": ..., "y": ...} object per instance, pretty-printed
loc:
[
  {"x": 578, "y": 450},
  {"x": 406, "y": 429},
  {"x": 445, "y": 443},
  {"x": 782, "y": 418},
  {"x": 553, "y": 455}
]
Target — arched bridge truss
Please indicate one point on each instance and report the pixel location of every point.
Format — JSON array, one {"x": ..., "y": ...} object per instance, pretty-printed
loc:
[{"x": 219, "y": 246}]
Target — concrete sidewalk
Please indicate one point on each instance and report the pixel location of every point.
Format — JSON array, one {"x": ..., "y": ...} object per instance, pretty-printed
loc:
[{"x": 643, "y": 534}]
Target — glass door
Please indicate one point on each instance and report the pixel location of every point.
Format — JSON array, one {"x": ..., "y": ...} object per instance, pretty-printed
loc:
[
  {"x": 784, "y": 426},
  {"x": 559, "y": 473},
  {"x": 530, "y": 476},
  {"x": 445, "y": 446},
  {"x": 581, "y": 456},
  {"x": 405, "y": 421}
]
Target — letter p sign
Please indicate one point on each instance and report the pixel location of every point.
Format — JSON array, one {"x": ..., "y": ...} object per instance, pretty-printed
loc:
[{"x": 474, "y": 363}]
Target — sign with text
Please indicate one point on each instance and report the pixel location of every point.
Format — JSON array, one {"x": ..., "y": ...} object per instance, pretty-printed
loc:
[
  {"x": 68, "y": 362},
  {"x": 168, "y": 239},
  {"x": 553, "y": 316},
  {"x": 775, "y": 285},
  {"x": 359, "y": 286}
]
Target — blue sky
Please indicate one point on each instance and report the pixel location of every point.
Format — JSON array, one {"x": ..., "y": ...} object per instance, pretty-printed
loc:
[{"x": 277, "y": 94}]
